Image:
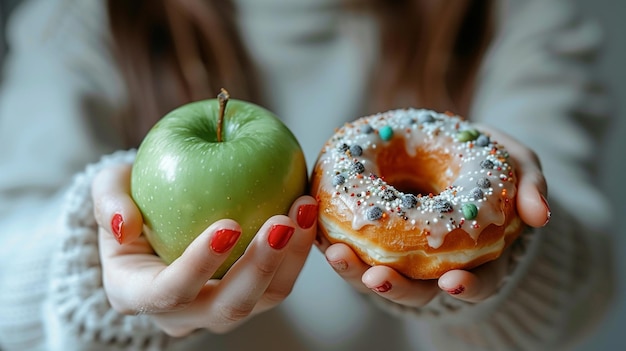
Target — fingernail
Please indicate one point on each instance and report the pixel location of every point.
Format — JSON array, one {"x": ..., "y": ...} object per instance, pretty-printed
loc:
[
  {"x": 548, "y": 212},
  {"x": 386, "y": 286},
  {"x": 339, "y": 265},
  {"x": 117, "y": 225},
  {"x": 279, "y": 236},
  {"x": 456, "y": 291},
  {"x": 306, "y": 215},
  {"x": 224, "y": 239}
]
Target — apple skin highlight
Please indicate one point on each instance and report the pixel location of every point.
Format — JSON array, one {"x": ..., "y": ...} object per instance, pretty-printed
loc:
[{"x": 184, "y": 179}]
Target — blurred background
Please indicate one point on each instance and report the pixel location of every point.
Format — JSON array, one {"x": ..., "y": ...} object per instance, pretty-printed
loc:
[
  {"x": 610, "y": 15},
  {"x": 611, "y": 68}
]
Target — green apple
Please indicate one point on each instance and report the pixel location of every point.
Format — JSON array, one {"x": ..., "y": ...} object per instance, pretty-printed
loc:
[{"x": 203, "y": 162}]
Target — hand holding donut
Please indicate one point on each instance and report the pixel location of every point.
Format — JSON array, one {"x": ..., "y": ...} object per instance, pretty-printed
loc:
[
  {"x": 383, "y": 240},
  {"x": 181, "y": 297}
]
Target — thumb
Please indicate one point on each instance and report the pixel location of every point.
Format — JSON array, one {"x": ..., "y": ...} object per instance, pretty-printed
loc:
[{"x": 114, "y": 209}]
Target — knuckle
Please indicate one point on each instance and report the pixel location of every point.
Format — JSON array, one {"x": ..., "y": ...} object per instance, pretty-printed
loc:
[
  {"x": 234, "y": 313},
  {"x": 276, "y": 295},
  {"x": 265, "y": 269},
  {"x": 172, "y": 302}
]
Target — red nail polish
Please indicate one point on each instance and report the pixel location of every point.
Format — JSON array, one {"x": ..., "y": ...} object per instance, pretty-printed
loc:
[
  {"x": 306, "y": 216},
  {"x": 279, "y": 236},
  {"x": 456, "y": 291},
  {"x": 339, "y": 265},
  {"x": 117, "y": 225},
  {"x": 224, "y": 239},
  {"x": 386, "y": 286}
]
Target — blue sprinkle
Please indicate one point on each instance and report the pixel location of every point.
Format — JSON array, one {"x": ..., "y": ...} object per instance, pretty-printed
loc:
[
  {"x": 374, "y": 213},
  {"x": 385, "y": 133},
  {"x": 356, "y": 150},
  {"x": 338, "y": 180},
  {"x": 367, "y": 129},
  {"x": 442, "y": 206},
  {"x": 482, "y": 140},
  {"x": 483, "y": 183},
  {"x": 425, "y": 119},
  {"x": 357, "y": 167},
  {"x": 487, "y": 164},
  {"x": 343, "y": 147},
  {"x": 409, "y": 201},
  {"x": 476, "y": 194},
  {"x": 388, "y": 195}
]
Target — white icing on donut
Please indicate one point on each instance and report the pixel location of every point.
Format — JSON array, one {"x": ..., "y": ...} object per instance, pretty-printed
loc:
[{"x": 480, "y": 173}]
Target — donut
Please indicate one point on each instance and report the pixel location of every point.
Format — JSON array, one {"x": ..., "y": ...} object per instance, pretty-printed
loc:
[{"x": 416, "y": 190}]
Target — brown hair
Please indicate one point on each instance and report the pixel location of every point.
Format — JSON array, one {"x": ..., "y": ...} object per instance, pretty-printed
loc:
[
  {"x": 431, "y": 54},
  {"x": 173, "y": 52}
]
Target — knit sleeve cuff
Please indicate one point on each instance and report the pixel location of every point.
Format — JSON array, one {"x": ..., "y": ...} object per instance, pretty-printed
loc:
[
  {"x": 77, "y": 311},
  {"x": 559, "y": 283}
]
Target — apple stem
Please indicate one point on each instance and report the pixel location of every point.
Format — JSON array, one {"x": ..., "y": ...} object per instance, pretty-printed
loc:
[{"x": 222, "y": 97}]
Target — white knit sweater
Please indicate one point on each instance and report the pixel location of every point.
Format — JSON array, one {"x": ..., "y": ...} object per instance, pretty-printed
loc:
[{"x": 61, "y": 86}]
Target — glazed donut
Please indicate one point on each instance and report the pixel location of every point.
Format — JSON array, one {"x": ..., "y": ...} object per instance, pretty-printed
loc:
[{"x": 419, "y": 191}]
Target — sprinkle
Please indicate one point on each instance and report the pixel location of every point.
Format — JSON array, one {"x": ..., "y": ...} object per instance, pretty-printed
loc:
[
  {"x": 343, "y": 147},
  {"x": 442, "y": 206},
  {"x": 482, "y": 140},
  {"x": 338, "y": 180},
  {"x": 367, "y": 129},
  {"x": 483, "y": 183},
  {"x": 357, "y": 167},
  {"x": 467, "y": 135},
  {"x": 409, "y": 201},
  {"x": 409, "y": 121},
  {"x": 425, "y": 119},
  {"x": 356, "y": 150},
  {"x": 487, "y": 164},
  {"x": 388, "y": 195},
  {"x": 374, "y": 213},
  {"x": 470, "y": 211},
  {"x": 385, "y": 133},
  {"x": 476, "y": 194}
]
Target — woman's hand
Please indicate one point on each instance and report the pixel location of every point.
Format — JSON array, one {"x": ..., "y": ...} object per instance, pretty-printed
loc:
[
  {"x": 181, "y": 297},
  {"x": 472, "y": 286}
]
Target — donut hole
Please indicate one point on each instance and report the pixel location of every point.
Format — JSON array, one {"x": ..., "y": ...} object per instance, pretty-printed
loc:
[{"x": 429, "y": 170}]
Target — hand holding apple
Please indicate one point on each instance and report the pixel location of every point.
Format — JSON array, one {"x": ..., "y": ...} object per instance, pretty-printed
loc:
[
  {"x": 181, "y": 297},
  {"x": 203, "y": 162}
]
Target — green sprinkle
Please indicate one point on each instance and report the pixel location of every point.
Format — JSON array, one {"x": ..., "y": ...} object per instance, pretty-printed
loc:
[
  {"x": 470, "y": 211},
  {"x": 385, "y": 133},
  {"x": 468, "y": 135}
]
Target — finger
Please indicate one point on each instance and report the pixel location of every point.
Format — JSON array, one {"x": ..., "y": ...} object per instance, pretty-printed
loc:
[
  {"x": 157, "y": 287},
  {"x": 532, "y": 205},
  {"x": 390, "y": 284},
  {"x": 239, "y": 291},
  {"x": 347, "y": 264},
  {"x": 179, "y": 283},
  {"x": 477, "y": 284},
  {"x": 465, "y": 285},
  {"x": 304, "y": 213},
  {"x": 114, "y": 209},
  {"x": 532, "y": 187}
]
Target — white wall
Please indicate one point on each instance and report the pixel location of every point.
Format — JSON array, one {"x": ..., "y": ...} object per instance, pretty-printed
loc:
[{"x": 610, "y": 14}]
